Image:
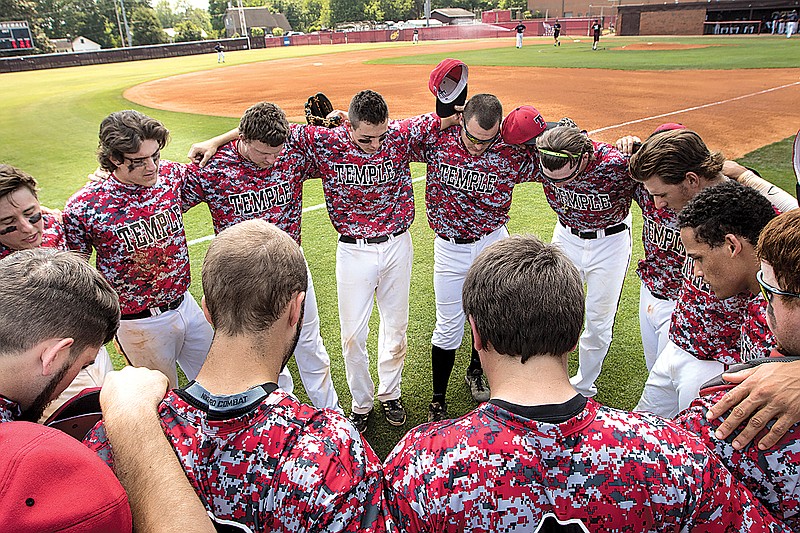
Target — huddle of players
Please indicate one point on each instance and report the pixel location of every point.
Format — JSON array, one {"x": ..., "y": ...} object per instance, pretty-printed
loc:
[{"x": 364, "y": 167}]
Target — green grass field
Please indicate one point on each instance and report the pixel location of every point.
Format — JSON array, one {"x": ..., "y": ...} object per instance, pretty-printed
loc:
[{"x": 48, "y": 126}]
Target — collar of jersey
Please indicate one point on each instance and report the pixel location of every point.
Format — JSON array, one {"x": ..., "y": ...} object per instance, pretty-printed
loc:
[{"x": 225, "y": 406}]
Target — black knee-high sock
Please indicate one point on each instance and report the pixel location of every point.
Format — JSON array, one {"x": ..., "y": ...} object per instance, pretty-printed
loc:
[{"x": 442, "y": 362}]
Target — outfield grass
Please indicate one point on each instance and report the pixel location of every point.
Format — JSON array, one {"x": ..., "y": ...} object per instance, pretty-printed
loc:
[
  {"x": 718, "y": 53},
  {"x": 48, "y": 126}
]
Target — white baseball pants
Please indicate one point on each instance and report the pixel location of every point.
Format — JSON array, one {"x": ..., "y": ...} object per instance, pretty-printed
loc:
[
  {"x": 91, "y": 376},
  {"x": 158, "y": 342},
  {"x": 519, "y": 40},
  {"x": 381, "y": 271},
  {"x": 602, "y": 264},
  {"x": 675, "y": 381},
  {"x": 654, "y": 319},
  {"x": 450, "y": 265}
]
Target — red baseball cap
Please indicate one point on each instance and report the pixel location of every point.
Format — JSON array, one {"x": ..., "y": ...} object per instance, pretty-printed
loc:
[
  {"x": 523, "y": 125},
  {"x": 669, "y": 126},
  {"x": 51, "y": 482},
  {"x": 448, "y": 80}
]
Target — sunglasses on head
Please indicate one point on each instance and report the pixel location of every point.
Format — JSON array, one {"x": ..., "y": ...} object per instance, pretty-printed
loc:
[
  {"x": 769, "y": 292},
  {"x": 33, "y": 219},
  {"x": 139, "y": 162},
  {"x": 560, "y": 179}
]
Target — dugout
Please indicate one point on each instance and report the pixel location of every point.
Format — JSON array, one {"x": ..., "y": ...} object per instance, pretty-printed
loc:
[{"x": 732, "y": 17}]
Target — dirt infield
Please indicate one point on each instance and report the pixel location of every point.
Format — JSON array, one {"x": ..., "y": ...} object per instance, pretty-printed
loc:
[{"x": 735, "y": 111}]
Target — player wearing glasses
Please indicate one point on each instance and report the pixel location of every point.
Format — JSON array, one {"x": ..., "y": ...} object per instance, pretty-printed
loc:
[
  {"x": 471, "y": 175},
  {"x": 133, "y": 221},
  {"x": 588, "y": 185}
]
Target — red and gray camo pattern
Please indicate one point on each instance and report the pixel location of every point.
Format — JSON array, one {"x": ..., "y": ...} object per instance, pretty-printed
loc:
[
  {"x": 282, "y": 466},
  {"x": 368, "y": 195},
  {"x": 599, "y": 197},
  {"x": 52, "y": 236},
  {"x": 705, "y": 326},
  {"x": 467, "y": 196},
  {"x": 493, "y": 471},
  {"x": 138, "y": 234},
  {"x": 664, "y": 254},
  {"x": 757, "y": 340},
  {"x": 772, "y": 475},
  {"x": 237, "y": 190},
  {"x": 9, "y": 410}
]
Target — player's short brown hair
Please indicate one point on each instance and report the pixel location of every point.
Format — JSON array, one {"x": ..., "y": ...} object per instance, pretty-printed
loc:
[
  {"x": 264, "y": 122},
  {"x": 526, "y": 298},
  {"x": 779, "y": 245},
  {"x": 367, "y": 106},
  {"x": 12, "y": 178},
  {"x": 486, "y": 109},
  {"x": 46, "y": 294},
  {"x": 671, "y": 154},
  {"x": 250, "y": 273},
  {"x": 124, "y": 132},
  {"x": 566, "y": 140}
]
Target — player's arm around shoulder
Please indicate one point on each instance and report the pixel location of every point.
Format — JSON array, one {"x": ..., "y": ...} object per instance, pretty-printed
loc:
[{"x": 78, "y": 218}]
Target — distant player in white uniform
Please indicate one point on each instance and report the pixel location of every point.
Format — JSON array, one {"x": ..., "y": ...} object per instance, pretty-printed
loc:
[
  {"x": 520, "y": 29},
  {"x": 133, "y": 221},
  {"x": 260, "y": 174}
]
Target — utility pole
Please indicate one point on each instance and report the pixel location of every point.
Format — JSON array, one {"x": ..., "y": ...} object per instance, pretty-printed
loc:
[
  {"x": 244, "y": 24},
  {"x": 427, "y": 13},
  {"x": 125, "y": 20}
]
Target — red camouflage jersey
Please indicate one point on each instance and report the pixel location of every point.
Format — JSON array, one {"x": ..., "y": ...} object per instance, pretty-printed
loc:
[
  {"x": 236, "y": 189},
  {"x": 9, "y": 410},
  {"x": 757, "y": 340},
  {"x": 469, "y": 196},
  {"x": 702, "y": 324},
  {"x": 52, "y": 236},
  {"x": 664, "y": 254},
  {"x": 772, "y": 475},
  {"x": 277, "y": 465},
  {"x": 599, "y": 197},
  {"x": 368, "y": 195},
  {"x": 493, "y": 471},
  {"x": 138, "y": 234}
]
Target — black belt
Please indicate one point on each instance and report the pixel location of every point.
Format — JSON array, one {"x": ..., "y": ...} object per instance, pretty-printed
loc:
[
  {"x": 459, "y": 240},
  {"x": 613, "y": 230},
  {"x": 155, "y": 311},
  {"x": 369, "y": 240}
]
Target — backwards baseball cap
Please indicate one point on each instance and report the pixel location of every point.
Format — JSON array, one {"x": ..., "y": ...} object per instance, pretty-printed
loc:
[
  {"x": 51, "y": 482},
  {"x": 669, "y": 126},
  {"x": 523, "y": 125},
  {"x": 448, "y": 83}
]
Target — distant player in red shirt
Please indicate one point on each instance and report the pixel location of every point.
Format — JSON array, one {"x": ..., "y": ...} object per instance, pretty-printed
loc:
[{"x": 538, "y": 455}]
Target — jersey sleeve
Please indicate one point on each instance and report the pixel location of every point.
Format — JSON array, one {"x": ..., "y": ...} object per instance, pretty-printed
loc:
[
  {"x": 97, "y": 441},
  {"x": 192, "y": 191},
  {"x": 78, "y": 236}
]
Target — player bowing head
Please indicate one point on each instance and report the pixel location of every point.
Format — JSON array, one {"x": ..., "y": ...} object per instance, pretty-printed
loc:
[
  {"x": 21, "y": 223},
  {"x": 263, "y": 130},
  {"x": 369, "y": 120},
  {"x": 564, "y": 152},
  {"x": 130, "y": 147},
  {"x": 480, "y": 123}
]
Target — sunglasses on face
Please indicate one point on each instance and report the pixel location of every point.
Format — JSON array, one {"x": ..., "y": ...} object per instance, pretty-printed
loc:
[
  {"x": 33, "y": 219},
  {"x": 768, "y": 291},
  {"x": 475, "y": 140},
  {"x": 555, "y": 175},
  {"x": 139, "y": 162}
]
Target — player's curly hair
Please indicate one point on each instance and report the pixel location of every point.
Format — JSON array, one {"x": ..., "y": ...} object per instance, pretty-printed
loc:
[
  {"x": 566, "y": 140},
  {"x": 485, "y": 108},
  {"x": 12, "y": 178},
  {"x": 525, "y": 297},
  {"x": 264, "y": 122},
  {"x": 123, "y": 133},
  {"x": 368, "y": 106},
  {"x": 727, "y": 208},
  {"x": 779, "y": 245},
  {"x": 671, "y": 154}
]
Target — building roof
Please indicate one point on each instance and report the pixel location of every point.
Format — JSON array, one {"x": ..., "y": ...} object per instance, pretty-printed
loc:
[{"x": 454, "y": 12}]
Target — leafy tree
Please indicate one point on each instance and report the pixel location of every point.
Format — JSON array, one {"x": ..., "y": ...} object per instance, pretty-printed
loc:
[
  {"x": 346, "y": 10},
  {"x": 373, "y": 10},
  {"x": 187, "y": 31},
  {"x": 199, "y": 17},
  {"x": 145, "y": 27},
  {"x": 26, "y": 10},
  {"x": 166, "y": 16}
]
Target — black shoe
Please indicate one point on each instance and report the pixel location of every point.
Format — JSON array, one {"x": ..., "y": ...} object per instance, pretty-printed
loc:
[
  {"x": 478, "y": 387},
  {"x": 360, "y": 420},
  {"x": 395, "y": 414},
  {"x": 437, "y": 411}
]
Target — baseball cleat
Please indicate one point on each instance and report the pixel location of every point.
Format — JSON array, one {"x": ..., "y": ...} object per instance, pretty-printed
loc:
[
  {"x": 360, "y": 420},
  {"x": 394, "y": 411},
  {"x": 477, "y": 385},
  {"x": 437, "y": 411}
]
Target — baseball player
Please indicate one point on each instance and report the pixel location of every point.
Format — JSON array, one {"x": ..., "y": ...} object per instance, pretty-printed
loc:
[
  {"x": 539, "y": 454},
  {"x": 260, "y": 174},
  {"x": 255, "y": 456},
  {"x": 520, "y": 29},
  {"x": 556, "y": 33},
  {"x": 133, "y": 221},
  {"x": 25, "y": 225},
  {"x": 588, "y": 186},
  {"x": 596, "y": 29},
  {"x": 220, "y": 50},
  {"x": 471, "y": 175},
  {"x": 770, "y": 473}
]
